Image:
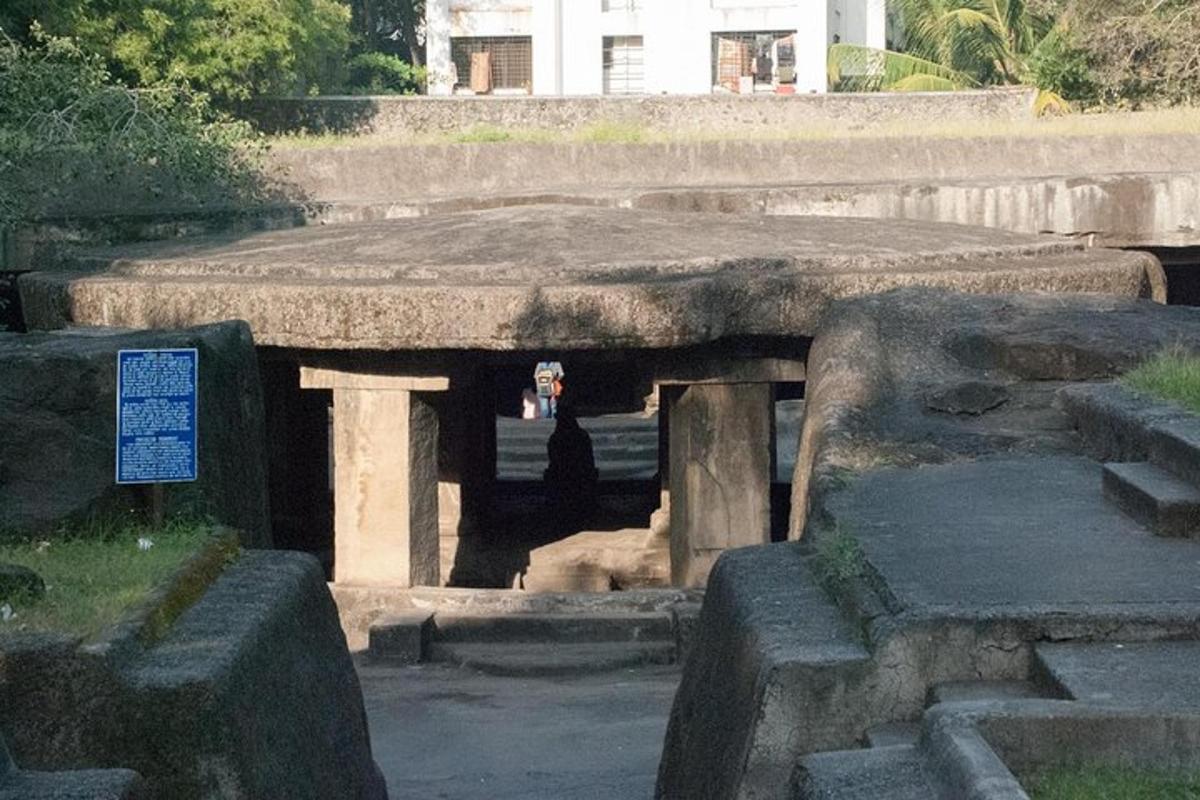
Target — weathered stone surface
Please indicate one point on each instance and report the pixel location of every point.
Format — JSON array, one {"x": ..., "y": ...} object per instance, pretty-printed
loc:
[
  {"x": 977, "y": 536},
  {"x": 557, "y": 276},
  {"x": 763, "y": 682},
  {"x": 386, "y": 487},
  {"x": 1152, "y": 675},
  {"x": 874, "y": 360},
  {"x": 969, "y": 397},
  {"x": 18, "y": 581},
  {"x": 401, "y": 638},
  {"x": 251, "y": 693},
  {"x": 722, "y": 460},
  {"x": 84, "y": 784},
  {"x": 1154, "y": 497},
  {"x": 406, "y": 116},
  {"x": 57, "y": 443},
  {"x": 598, "y": 561},
  {"x": 404, "y": 172}
]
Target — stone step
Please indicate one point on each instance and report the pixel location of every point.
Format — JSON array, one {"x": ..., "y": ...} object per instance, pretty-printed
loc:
[
  {"x": 1153, "y": 675},
  {"x": 982, "y": 692},
  {"x": 1176, "y": 448},
  {"x": 1154, "y": 497},
  {"x": 894, "y": 734},
  {"x": 528, "y": 659},
  {"x": 447, "y": 600},
  {"x": 553, "y": 628},
  {"x": 401, "y": 637},
  {"x": 881, "y": 773},
  {"x": 614, "y": 455},
  {"x": 621, "y": 472},
  {"x": 84, "y": 784}
]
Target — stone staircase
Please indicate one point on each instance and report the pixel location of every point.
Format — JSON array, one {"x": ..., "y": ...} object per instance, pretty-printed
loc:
[
  {"x": 895, "y": 765},
  {"x": 84, "y": 784},
  {"x": 1154, "y": 496},
  {"x": 625, "y": 445},
  {"x": 550, "y": 640},
  {"x": 1152, "y": 455}
]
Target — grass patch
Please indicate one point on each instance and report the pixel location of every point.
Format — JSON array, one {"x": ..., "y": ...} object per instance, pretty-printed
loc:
[
  {"x": 1082, "y": 782},
  {"x": 1173, "y": 376},
  {"x": 612, "y": 132},
  {"x": 1170, "y": 121},
  {"x": 839, "y": 560},
  {"x": 95, "y": 572}
]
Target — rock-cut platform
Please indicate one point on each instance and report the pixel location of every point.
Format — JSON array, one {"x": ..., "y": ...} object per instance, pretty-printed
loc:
[{"x": 562, "y": 276}]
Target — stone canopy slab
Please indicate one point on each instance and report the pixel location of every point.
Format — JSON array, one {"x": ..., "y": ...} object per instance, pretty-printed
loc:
[{"x": 557, "y": 276}]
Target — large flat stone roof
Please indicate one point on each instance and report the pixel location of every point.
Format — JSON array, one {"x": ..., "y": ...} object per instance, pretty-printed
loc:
[{"x": 566, "y": 277}]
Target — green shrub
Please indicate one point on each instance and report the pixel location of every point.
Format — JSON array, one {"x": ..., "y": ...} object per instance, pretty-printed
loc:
[
  {"x": 383, "y": 73},
  {"x": 66, "y": 125},
  {"x": 229, "y": 49},
  {"x": 1173, "y": 376}
]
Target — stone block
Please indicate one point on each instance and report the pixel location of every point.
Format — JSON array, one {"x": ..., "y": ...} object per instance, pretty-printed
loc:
[
  {"x": 250, "y": 693},
  {"x": 401, "y": 637},
  {"x": 599, "y": 561},
  {"x": 57, "y": 443},
  {"x": 385, "y": 488},
  {"x": 722, "y": 453},
  {"x": 1154, "y": 497},
  {"x": 84, "y": 784}
]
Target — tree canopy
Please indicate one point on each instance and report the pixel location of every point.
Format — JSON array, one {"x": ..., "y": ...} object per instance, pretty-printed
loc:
[
  {"x": 231, "y": 49},
  {"x": 1106, "y": 52}
]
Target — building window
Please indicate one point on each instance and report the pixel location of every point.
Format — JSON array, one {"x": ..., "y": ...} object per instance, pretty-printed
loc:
[
  {"x": 488, "y": 63},
  {"x": 623, "y": 66},
  {"x": 753, "y": 60},
  {"x": 620, "y": 5}
]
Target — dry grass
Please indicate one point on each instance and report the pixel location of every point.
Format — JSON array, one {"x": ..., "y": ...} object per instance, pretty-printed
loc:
[{"x": 1172, "y": 121}]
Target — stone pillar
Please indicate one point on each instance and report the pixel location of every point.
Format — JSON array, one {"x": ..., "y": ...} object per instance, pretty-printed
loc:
[
  {"x": 660, "y": 520},
  {"x": 466, "y": 462},
  {"x": 385, "y": 434},
  {"x": 722, "y": 457}
]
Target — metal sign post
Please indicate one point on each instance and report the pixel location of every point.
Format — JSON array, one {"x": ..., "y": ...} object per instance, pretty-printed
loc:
[{"x": 156, "y": 420}]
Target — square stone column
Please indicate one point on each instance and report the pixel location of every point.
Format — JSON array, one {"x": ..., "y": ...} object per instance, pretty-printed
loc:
[
  {"x": 722, "y": 458},
  {"x": 385, "y": 434},
  {"x": 466, "y": 461}
]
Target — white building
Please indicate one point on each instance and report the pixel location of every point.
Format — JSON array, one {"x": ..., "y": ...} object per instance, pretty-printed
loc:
[{"x": 581, "y": 47}]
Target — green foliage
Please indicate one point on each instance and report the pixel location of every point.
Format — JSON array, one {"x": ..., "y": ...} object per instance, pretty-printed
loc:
[
  {"x": 839, "y": 560},
  {"x": 1099, "y": 782},
  {"x": 65, "y": 126},
  {"x": 230, "y": 49},
  {"x": 96, "y": 571},
  {"x": 1059, "y": 66},
  {"x": 1173, "y": 375},
  {"x": 382, "y": 73},
  {"x": 1139, "y": 53},
  {"x": 953, "y": 44},
  {"x": 862, "y": 69}
]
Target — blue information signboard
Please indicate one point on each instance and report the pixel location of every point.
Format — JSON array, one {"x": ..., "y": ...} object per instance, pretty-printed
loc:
[{"x": 156, "y": 415}]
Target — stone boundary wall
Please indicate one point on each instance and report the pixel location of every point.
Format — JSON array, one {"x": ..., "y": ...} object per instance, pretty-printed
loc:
[
  {"x": 373, "y": 173},
  {"x": 401, "y": 116}
]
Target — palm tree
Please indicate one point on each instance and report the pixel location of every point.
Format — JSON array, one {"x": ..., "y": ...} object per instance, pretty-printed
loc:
[{"x": 947, "y": 45}]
